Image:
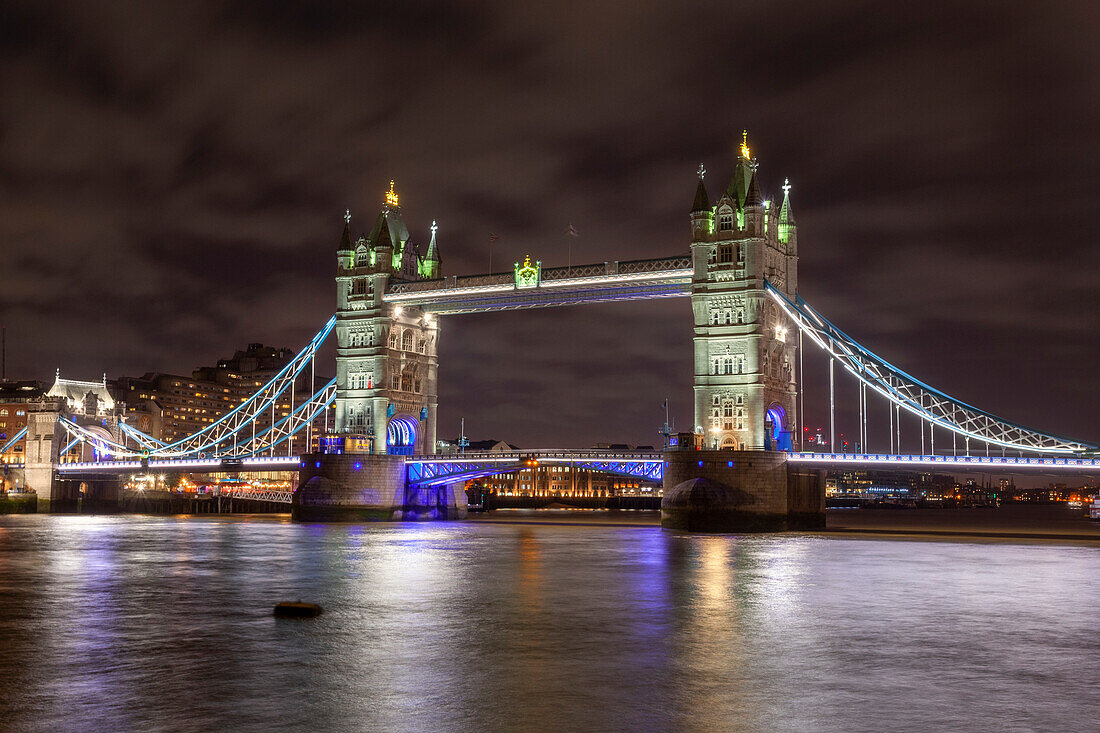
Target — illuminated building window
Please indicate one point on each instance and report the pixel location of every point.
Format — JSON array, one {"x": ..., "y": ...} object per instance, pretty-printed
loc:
[{"x": 407, "y": 341}]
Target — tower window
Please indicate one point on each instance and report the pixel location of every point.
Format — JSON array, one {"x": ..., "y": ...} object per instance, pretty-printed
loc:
[
  {"x": 725, "y": 221},
  {"x": 725, "y": 253}
]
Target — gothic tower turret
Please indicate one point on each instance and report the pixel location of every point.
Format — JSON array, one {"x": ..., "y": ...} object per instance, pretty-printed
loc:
[
  {"x": 702, "y": 215},
  {"x": 746, "y": 386}
]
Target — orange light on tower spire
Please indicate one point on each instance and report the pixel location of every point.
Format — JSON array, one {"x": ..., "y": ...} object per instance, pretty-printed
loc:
[
  {"x": 745, "y": 145},
  {"x": 391, "y": 196}
]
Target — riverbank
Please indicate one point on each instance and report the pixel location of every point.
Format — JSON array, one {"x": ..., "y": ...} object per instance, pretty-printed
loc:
[{"x": 1018, "y": 522}]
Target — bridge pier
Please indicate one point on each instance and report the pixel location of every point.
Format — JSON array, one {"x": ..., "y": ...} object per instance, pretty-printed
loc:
[
  {"x": 102, "y": 496},
  {"x": 356, "y": 487},
  {"x": 436, "y": 502},
  {"x": 740, "y": 491}
]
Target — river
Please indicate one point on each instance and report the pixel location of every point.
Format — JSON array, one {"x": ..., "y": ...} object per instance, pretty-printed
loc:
[{"x": 160, "y": 623}]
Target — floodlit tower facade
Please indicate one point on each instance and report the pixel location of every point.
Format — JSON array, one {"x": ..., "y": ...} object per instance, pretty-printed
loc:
[
  {"x": 746, "y": 349},
  {"x": 386, "y": 359}
]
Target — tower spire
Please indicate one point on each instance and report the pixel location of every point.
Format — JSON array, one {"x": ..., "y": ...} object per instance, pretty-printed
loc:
[
  {"x": 391, "y": 196},
  {"x": 785, "y": 226},
  {"x": 345, "y": 238},
  {"x": 430, "y": 267},
  {"x": 702, "y": 200}
]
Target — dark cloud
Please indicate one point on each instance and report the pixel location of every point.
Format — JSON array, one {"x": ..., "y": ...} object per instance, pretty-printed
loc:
[{"x": 172, "y": 184}]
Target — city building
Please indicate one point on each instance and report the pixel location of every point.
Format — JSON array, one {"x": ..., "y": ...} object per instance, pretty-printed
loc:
[
  {"x": 173, "y": 406},
  {"x": 565, "y": 481},
  {"x": 14, "y": 397}
]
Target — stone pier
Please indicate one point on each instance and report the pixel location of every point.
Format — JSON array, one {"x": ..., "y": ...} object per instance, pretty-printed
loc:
[
  {"x": 356, "y": 487},
  {"x": 740, "y": 491}
]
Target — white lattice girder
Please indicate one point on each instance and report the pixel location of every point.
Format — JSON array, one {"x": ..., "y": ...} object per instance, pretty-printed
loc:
[{"x": 914, "y": 396}]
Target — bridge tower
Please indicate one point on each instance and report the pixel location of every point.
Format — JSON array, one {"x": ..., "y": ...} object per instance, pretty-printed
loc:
[
  {"x": 386, "y": 360},
  {"x": 746, "y": 350},
  {"x": 90, "y": 405}
]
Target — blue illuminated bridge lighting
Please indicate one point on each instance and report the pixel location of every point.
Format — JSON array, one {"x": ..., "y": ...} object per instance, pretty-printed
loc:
[{"x": 437, "y": 470}]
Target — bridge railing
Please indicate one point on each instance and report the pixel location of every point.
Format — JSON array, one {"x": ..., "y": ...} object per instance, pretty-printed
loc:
[{"x": 554, "y": 454}]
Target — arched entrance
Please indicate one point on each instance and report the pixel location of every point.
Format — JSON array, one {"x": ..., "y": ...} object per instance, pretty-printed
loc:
[
  {"x": 777, "y": 434},
  {"x": 401, "y": 436}
]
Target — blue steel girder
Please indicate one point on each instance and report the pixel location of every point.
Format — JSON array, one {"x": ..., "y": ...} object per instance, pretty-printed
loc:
[{"x": 436, "y": 470}]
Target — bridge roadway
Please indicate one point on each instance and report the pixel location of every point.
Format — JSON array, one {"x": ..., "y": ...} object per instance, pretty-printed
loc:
[
  {"x": 436, "y": 470},
  {"x": 640, "y": 464}
]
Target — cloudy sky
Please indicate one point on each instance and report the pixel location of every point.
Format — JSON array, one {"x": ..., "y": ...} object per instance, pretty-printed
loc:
[{"x": 173, "y": 181}]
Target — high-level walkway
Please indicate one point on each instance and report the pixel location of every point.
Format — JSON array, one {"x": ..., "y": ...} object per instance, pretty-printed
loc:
[{"x": 609, "y": 281}]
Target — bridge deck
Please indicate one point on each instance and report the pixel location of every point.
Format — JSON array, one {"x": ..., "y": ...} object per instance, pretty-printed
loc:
[{"x": 595, "y": 283}]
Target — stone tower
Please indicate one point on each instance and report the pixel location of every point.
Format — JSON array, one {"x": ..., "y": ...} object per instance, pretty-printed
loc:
[
  {"x": 386, "y": 363},
  {"x": 746, "y": 350}
]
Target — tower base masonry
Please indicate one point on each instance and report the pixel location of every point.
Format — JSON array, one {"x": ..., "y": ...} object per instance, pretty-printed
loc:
[
  {"x": 353, "y": 487},
  {"x": 740, "y": 491}
]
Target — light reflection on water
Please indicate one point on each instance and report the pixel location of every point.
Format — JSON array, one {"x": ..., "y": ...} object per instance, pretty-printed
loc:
[{"x": 135, "y": 623}]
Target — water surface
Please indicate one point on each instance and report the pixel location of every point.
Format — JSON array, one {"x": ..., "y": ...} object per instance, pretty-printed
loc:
[{"x": 152, "y": 623}]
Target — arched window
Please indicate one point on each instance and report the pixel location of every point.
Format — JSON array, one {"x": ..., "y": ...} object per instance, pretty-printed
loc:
[
  {"x": 740, "y": 418},
  {"x": 420, "y": 345},
  {"x": 370, "y": 337},
  {"x": 407, "y": 341},
  {"x": 740, "y": 399},
  {"x": 3, "y": 413},
  {"x": 354, "y": 340},
  {"x": 740, "y": 315},
  {"x": 714, "y": 317},
  {"x": 729, "y": 316},
  {"x": 739, "y": 364},
  {"x": 725, "y": 219},
  {"x": 393, "y": 338},
  {"x": 717, "y": 364},
  {"x": 727, "y": 365}
]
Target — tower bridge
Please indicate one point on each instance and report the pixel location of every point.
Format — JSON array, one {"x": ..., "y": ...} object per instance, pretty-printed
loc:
[{"x": 749, "y": 324}]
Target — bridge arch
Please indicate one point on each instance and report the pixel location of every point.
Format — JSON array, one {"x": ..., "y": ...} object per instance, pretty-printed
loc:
[
  {"x": 401, "y": 436},
  {"x": 775, "y": 424}
]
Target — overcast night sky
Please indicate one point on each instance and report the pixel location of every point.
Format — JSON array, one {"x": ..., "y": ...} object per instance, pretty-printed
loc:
[{"x": 173, "y": 182}]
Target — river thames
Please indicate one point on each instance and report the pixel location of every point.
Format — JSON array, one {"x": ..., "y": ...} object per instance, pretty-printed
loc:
[{"x": 155, "y": 623}]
